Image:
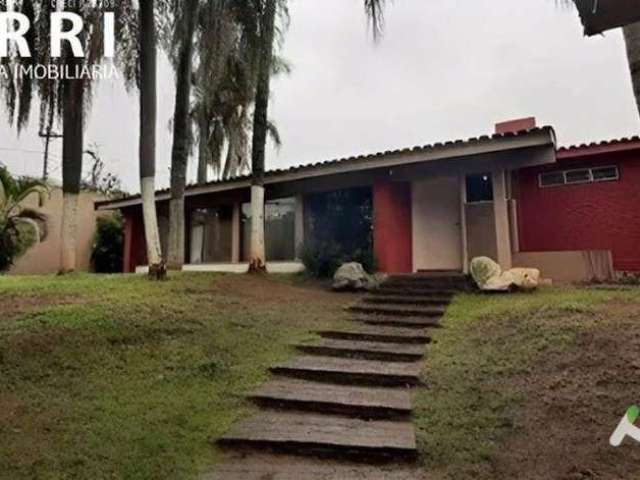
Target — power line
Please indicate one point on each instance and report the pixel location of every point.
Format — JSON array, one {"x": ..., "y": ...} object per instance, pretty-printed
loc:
[{"x": 21, "y": 150}]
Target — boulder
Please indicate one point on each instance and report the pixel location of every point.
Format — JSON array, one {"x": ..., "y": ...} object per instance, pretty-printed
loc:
[
  {"x": 352, "y": 276},
  {"x": 489, "y": 276}
]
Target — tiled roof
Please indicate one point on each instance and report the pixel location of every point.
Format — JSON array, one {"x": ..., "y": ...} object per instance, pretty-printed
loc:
[
  {"x": 625, "y": 141},
  {"x": 354, "y": 160}
]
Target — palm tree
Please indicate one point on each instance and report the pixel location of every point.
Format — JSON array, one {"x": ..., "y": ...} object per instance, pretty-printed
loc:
[
  {"x": 187, "y": 15},
  {"x": 19, "y": 227},
  {"x": 65, "y": 100},
  {"x": 267, "y": 29}
]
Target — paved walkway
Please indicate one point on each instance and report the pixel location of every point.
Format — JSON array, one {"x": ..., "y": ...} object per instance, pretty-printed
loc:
[{"x": 342, "y": 409}]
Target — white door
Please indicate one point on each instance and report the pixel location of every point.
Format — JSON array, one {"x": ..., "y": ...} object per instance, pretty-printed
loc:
[{"x": 437, "y": 234}]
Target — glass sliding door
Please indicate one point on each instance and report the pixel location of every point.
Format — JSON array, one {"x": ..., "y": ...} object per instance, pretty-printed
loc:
[
  {"x": 280, "y": 227},
  {"x": 211, "y": 235}
]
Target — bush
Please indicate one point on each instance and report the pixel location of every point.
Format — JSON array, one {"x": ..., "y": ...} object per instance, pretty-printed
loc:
[
  {"x": 108, "y": 245},
  {"x": 339, "y": 229},
  {"x": 321, "y": 259}
]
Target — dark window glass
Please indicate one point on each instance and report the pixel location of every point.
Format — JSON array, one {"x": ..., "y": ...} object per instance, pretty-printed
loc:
[
  {"x": 602, "y": 174},
  {"x": 280, "y": 230},
  {"x": 479, "y": 188},
  {"x": 211, "y": 235},
  {"x": 578, "y": 176},
  {"x": 551, "y": 178}
]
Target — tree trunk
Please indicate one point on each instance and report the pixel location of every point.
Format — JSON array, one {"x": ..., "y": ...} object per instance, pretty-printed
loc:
[
  {"x": 260, "y": 127},
  {"x": 632, "y": 40},
  {"x": 203, "y": 150},
  {"x": 180, "y": 150},
  {"x": 72, "y": 142},
  {"x": 147, "y": 150}
]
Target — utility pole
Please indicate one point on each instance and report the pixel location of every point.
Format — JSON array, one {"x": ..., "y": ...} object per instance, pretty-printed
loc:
[{"x": 48, "y": 135}]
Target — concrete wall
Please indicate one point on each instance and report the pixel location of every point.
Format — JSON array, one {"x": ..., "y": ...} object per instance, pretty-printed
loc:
[
  {"x": 481, "y": 232},
  {"x": 45, "y": 257},
  {"x": 568, "y": 266}
]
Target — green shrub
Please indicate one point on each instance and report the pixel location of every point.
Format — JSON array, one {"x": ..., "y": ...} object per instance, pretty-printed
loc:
[
  {"x": 108, "y": 246},
  {"x": 321, "y": 259}
]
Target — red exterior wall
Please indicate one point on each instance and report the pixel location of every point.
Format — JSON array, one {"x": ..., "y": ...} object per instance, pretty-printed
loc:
[
  {"x": 392, "y": 234},
  {"x": 134, "y": 242},
  {"x": 592, "y": 216}
]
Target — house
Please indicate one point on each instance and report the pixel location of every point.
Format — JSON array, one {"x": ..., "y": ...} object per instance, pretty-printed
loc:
[
  {"x": 601, "y": 15},
  {"x": 46, "y": 257},
  {"x": 513, "y": 196}
]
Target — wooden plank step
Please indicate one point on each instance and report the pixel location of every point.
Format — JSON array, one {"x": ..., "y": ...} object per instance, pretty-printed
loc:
[
  {"x": 323, "y": 434},
  {"x": 407, "y": 300},
  {"x": 395, "y": 321},
  {"x": 399, "y": 311},
  {"x": 385, "y": 290},
  {"x": 362, "y": 402},
  {"x": 271, "y": 466},
  {"x": 367, "y": 350},
  {"x": 379, "y": 333},
  {"x": 351, "y": 371}
]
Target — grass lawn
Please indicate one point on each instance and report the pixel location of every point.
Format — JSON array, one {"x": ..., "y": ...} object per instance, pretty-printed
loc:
[
  {"x": 120, "y": 377},
  {"x": 531, "y": 386}
]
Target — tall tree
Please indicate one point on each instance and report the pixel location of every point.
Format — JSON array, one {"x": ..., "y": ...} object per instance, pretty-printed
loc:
[
  {"x": 181, "y": 132},
  {"x": 267, "y": 31},
  {"x": 65, "y": 99},
  {"x": 260, "y": 126}
]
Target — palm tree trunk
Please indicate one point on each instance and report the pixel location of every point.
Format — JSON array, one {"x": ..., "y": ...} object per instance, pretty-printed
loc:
[
  {"x": 632, "y": 40},
  {"x": 260, "y": 127},
  {"x": 180, "y": 150},
  {"x": 147, "y": 150},
  {"x": 72, "y": 142},
  {"x": 203, "y": 150}
]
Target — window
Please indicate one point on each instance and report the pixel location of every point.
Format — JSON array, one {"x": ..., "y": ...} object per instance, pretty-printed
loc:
[
  {"x": 551, "y": 179},
  {"x": 211, "y": 235},
  {"x": 280, "y": 221},
  {"x": 479, "y": 188},
  {"x": 578, "y": 175},
  {"x": 605, "y": 174}
]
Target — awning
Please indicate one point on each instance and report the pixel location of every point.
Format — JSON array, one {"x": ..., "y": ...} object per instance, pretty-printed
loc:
[{"x": 601, "y": 15}]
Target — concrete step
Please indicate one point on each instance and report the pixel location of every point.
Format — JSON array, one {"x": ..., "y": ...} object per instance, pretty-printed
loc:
[
  {"x": 438, "y": 301},
  {"x": 379, "y": 333},
  {"x": 398, "y": 321},
  {"x": 307, "y": 433},
  {"x": 386, "y": 290},
  {"x": 430, "y": 281},
  {"x": 360, "y": 402},
  {"x": 398, "y": 310},
  {"x": 351, "y": 371},
  {"x": 279, "y": 466},
  {"x": 393, "y": 352}
]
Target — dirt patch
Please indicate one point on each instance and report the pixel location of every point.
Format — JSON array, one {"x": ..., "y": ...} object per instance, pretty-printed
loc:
[
  {"x": 574, "y": 401},
  {"x": 263, "y": 289},
  {"x": 12, "y": 306}
]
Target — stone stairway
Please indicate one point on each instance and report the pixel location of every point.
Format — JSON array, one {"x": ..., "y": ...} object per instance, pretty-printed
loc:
[{"x": 347, "y": 396}]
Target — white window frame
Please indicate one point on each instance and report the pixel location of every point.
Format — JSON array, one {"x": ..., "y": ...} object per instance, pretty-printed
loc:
[{"x": 591, "y": 179}]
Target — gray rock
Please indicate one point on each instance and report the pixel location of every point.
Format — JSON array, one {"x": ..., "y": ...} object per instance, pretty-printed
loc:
[{"x": 352, "y": 276}]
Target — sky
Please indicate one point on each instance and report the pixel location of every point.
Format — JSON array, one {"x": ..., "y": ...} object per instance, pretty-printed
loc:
[{"x": 444, "y": 70}]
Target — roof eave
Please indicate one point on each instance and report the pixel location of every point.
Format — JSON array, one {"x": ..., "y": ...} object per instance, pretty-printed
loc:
[{"x": 440, "y": 151}]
